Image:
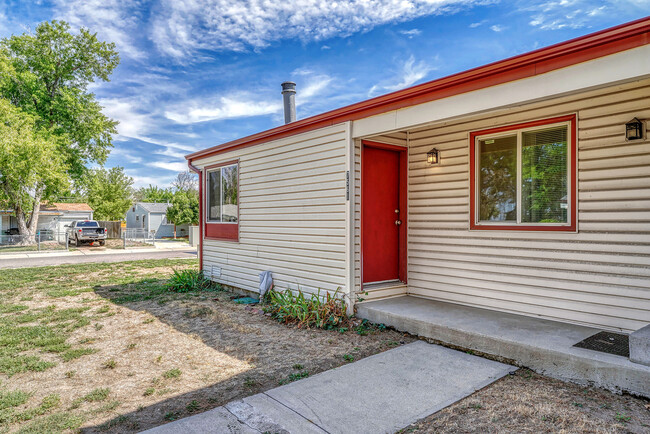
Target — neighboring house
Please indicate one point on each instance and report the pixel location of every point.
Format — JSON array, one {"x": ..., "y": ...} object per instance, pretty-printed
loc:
[
  {"x": 152, "y": 218},
  {"x": 510, "y": 187},
  {"x": 52, "y": 217}
]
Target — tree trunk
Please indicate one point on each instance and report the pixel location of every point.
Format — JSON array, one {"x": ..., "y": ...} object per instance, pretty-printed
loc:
[
  {"x": 174, "y": 231},
  {"x": 27, "y": 228}
]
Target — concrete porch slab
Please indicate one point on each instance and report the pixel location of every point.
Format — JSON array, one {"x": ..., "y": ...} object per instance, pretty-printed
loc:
[
  {"x": 379, "y": 394},
  {"x": 542, "y": 345}
]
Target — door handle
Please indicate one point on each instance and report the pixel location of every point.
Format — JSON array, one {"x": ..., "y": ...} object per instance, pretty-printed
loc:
[{"x": 398, "y": 222}]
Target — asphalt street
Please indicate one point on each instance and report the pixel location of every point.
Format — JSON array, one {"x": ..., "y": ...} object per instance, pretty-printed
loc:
[{"x": 77, "y": 259}]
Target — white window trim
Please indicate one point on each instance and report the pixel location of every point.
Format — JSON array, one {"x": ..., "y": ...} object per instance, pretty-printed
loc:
[
  {"x": 207, "y": 195},
  {"x": 519, "y": 132}
]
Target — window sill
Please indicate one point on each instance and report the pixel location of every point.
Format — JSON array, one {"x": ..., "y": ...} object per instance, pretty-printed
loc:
[{"x": 522, "y": 228}]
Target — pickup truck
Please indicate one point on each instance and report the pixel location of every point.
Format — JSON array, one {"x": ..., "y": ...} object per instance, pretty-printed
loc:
[{"x": 86, "y": 231}]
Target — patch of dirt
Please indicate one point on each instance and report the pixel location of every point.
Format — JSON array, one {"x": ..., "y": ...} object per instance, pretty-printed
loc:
[
  {"x": 173, "y": 355},
  {"x": 530, "y": 403}
]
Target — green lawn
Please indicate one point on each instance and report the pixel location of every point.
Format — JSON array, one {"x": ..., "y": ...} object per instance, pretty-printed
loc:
[{"x": 38, "y": 320}]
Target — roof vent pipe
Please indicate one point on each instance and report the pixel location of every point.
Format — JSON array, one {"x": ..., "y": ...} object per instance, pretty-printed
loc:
[{"x": 289, "y": 96}]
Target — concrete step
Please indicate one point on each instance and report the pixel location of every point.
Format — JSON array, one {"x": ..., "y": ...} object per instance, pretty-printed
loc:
[{"x": 542, "y": 345}]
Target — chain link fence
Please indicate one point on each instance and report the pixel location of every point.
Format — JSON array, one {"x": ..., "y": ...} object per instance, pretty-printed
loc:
[
  {"x": 137, "y": 237},
  {"x": 45, "y": 240}
]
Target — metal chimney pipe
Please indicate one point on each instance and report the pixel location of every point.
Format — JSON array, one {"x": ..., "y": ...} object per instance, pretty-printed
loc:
[{"x": 289, "y": 96}]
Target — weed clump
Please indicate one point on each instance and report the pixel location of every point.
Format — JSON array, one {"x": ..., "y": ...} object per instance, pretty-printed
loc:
[
  {"x": 189, "y": 281},
  {"x": 312, "y": 311}
]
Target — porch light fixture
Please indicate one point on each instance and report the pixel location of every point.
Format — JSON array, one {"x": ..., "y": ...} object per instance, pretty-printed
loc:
[
  {"x": 433, "y": 156},
  {"x": 634, "y": 130}
]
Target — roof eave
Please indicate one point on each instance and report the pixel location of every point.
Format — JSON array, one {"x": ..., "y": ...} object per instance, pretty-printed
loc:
[{"x": 413, "y": 95}]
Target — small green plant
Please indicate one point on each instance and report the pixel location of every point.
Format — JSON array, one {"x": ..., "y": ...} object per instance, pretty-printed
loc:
[
  {"x": 190, "y": 280},
  {"x": 131, "y": 346},
  {"x": 193, "y": 406},
  {"x": 109, "y": 364},
  {"x": 97, "y": 395},
  {"x": 70, "y": 374},
  {"x": 348, "y": 358},
  {"x": 170, "y": 416},
  {"x": 622, "y": 417},
  {"x": 149, "y": 391},
  {"x": 148, "y": 321},
  {"x": 298, "y": 366},
  {"x": 76, "y": 353},
  {"x": 311, "y": 311},
  {"x": 250, "y": 382},
  {"x": 294, "y": 377},
  {"x": 172, "y": 373}
]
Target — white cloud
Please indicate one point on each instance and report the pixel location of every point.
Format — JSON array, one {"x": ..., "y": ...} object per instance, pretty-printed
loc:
[
  {"x": 145, "y": 181},
  {"x": 411, "y": 33},
  {"x": 497, "y": 28},
  {"x": 114, "y": 20},
  {"x": 475, "y": 25},
  {"x": 325, "y": 47},
  {"x": 575, "y": 14},
  {"x": 125, "y": 154},
  {"x": 173, "y": 166},
  {"x": 223, "y": 108},
  {"x": 133, "y": 124},
  {"x": 411, "y": 73},
  {"x": 180, "y": 28}
]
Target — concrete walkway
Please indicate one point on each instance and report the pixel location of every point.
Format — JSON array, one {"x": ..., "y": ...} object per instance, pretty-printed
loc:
[{"x": 379, "y": 394}]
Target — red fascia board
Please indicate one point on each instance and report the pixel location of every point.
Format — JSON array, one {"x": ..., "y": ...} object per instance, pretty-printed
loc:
[{"x": 605, "y": 42}]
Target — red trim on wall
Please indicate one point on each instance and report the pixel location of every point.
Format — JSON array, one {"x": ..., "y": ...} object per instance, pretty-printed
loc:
[
  {"x": 222, "y": 231},
  {"x": 218, "y": 231},
  {"x": 403, "y": 203},
  {"x": 200, "y": 244},
  {"x": 573, "y": 177},
  {"x": 609, "y": 41}
]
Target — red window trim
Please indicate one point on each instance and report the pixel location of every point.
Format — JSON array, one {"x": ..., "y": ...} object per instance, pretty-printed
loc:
[
  {"x": 573, "y": 170},
  {"x": 220, "y": 231}
]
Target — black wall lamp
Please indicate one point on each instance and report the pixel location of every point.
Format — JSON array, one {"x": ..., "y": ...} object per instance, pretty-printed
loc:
[
  {"x": 433, "y": 156},
  {"x": 634, "y": 130}
]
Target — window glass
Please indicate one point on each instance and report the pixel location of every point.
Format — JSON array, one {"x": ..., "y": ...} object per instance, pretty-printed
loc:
[
  {"x": 214, "y": 196},
  {"x": 223, "y": 194},
  {"x": 229, "y": 194},
  {"x": 544, "y": 176},
  {"x": 87, "y": 224},
  {"x": 523, "y": 176},
  {"x": 498, "y": 179}
]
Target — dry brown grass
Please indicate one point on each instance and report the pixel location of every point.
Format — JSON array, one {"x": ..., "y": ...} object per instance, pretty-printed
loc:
[
  {"x": 163, "y": 356},
  {"x": 530, "y": 403}
]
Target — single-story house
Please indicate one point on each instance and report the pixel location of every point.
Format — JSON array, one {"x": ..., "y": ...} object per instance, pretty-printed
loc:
[
  {"x": 52, "y": 217},
  {"x": 521, "y": 187},
  {"x": 152, "y": 218}
]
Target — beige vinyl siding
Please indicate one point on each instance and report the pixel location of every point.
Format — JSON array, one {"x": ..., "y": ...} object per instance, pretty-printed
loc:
[
  {"x": 292, "y": 211},
  {"x": 599, "y": 276}
]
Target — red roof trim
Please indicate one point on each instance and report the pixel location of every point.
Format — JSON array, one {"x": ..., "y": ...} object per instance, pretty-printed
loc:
[{"x": 605, "y": 42}]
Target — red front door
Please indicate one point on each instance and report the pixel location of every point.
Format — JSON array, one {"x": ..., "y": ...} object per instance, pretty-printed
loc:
[{"x": 380, "y": 198}]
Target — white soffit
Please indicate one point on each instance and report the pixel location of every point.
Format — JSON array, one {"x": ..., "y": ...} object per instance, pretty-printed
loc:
[{"x": 625, "y": 66}]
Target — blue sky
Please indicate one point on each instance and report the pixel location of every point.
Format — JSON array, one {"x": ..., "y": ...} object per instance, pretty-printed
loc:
[{"x": 196, "y": 73}]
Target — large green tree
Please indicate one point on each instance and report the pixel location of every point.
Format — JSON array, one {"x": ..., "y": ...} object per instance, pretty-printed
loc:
[
  {"x": 184, "y": 208},
  {"x": 31, "y": 167},
  {"x": 108, "y": 192},
  {"x": 153, "y": 193},
  {"x": 46, "y": 74}
]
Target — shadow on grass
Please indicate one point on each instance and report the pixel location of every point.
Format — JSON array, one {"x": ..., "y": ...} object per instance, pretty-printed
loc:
[{"x": 280, "y": 353}]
